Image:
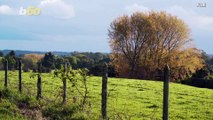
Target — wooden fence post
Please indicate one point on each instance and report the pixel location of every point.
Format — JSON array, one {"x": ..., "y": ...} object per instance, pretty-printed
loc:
[
  {"x": 39, "y": 82},
  {"x": 166, "y": 93},
  {"x": 6, "y": 73},
  {"x": 20, "y": 76},
  {"x": 65, "y": 84},
  {"x": 104, "y": 92}
]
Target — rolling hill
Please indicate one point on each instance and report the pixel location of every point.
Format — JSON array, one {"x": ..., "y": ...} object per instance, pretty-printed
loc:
[{"x": 127, "y": 99}]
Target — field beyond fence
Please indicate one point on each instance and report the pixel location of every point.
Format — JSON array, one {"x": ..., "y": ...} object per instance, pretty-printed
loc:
[{"x": 127, "y": 99}]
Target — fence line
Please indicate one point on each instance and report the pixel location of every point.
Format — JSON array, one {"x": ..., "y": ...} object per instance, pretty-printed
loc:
[{"x": 104, "y": 88}]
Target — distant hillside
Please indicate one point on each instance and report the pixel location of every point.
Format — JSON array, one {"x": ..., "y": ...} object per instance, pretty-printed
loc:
[
  {"x": 210, "y": 55},
  {"x": 59, "y": 53},
  {"x": 22, "y": 52}
]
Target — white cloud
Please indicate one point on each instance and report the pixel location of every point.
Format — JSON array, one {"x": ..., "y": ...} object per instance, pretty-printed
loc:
[
  {"x": 6, "y": 10},
  {"x": 135, "y": 8},
  {"x": 57, "y": 9},
  {"x": 192, "y": 18}
]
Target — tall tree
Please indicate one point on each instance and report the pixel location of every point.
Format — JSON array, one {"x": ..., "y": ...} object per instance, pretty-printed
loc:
[
  {"x": 12, "y": 53},
  {"x": 49, "y": 60},
  {"x": 30, "y": 61},
  {"x": 128, "y": 37},
  {"x": 144, "y": 42},
  {"x": 12, "y": 60}
]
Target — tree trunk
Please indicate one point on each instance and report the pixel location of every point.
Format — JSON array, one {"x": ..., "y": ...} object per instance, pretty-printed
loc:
[{"x": 132, "y": 70}]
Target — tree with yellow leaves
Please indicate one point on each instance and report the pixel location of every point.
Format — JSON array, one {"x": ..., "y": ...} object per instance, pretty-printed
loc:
[{"x": 143, "y": 43}]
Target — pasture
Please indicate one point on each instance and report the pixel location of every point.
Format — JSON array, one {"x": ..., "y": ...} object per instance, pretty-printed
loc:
[{"x": 127, "y": 98}]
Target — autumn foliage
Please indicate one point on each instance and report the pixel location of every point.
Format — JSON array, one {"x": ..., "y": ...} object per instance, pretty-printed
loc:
[
  {"x": 30, "y": 61},
  {"x": 143, "y": 43},
  {"x": 35, "y": 57}
]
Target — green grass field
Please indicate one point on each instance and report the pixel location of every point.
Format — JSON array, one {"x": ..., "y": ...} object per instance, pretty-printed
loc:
[{"x": 127, "y": 98}]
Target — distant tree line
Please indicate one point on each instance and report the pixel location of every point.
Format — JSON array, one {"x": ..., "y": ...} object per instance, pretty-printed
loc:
[
  {"x": 92, "y": 61},
  {"x": 1, "y": 54}
]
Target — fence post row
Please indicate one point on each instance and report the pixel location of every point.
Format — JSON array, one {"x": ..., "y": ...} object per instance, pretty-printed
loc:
[
  {"x": 166, "y": 93},
  {"x": 104, "y": 87},
  {"x": 6, "y": 73},
  {"x": 39, "y": 82},
  {"x": 104, "y": 92},
  {"x": 20, "y": 76}
]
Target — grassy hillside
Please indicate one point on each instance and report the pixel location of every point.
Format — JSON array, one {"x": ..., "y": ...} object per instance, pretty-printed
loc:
[{"x": 128, "y": 99}]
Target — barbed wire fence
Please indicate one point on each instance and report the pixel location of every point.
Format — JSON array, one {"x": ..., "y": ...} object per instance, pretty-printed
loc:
[{"x": 27, "y": 85}]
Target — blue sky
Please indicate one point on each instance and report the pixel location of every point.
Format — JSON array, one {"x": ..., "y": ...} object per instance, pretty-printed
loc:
[{"x": 82, "y": 25}]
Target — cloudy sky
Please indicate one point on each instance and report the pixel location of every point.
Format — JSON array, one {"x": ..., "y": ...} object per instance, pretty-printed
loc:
[{"x": 82, "y": 25}]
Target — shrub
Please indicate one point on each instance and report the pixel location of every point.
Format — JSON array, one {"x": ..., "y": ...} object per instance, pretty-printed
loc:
[
  {"x": 199, "y": 82},
  {"x": 60, "y": 112}
]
